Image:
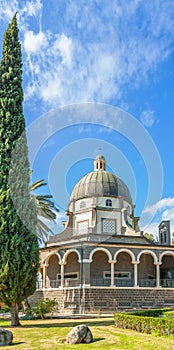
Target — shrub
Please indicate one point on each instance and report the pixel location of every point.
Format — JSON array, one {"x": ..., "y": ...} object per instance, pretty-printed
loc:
[
  {"x": 41, "y": 309},
  {"x": 29, "y": 315},
  {"x": 150, "y": 313},
  {"x": 169, "y": 314},
  {"x": 145, "y": 324},
  {"x": 4, "y": 309}
]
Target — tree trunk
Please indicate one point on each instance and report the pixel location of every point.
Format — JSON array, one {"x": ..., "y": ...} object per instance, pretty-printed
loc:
[
  {"x": 14, "y": 315},
  {"x": 25, "y": 304}
]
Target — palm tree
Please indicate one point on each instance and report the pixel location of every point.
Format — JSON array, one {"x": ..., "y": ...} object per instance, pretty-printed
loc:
[{"x": 46, "y": 209}]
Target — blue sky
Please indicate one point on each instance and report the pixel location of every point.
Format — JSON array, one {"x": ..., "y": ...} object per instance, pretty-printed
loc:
[{"x": 115, "y": 53}]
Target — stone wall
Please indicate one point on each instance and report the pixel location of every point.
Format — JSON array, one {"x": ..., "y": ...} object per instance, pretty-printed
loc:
[{"x": 107, "y": 300}]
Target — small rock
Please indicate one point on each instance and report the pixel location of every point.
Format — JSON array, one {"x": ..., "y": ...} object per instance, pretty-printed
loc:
[
  {"x": 6, "y": 337},
  {"x": 79, "y": 334}
]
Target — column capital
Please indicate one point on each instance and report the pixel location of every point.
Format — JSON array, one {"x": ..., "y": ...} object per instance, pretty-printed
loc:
[
  {"x": 45, "y": 265},
  {"x": 157, "y": 263},
  {"x": 135, "y": 262},
  {"x": 62, "y": 263},
  {"x": 112, "y": 261},
  {"x": 86, "y": 261}
]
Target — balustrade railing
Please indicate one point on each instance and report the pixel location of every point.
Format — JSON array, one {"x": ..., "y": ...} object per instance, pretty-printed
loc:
[
  {"x": 102, "y": 282},
  {"x": 167, "y": 283},
  {"x": 71, "y": 283},
  {"x": 145, "y": 282},
  {"x": 124, "y": 282},
  {"x": 99, "y": 282},
  {"x": 57, "y": 283}
]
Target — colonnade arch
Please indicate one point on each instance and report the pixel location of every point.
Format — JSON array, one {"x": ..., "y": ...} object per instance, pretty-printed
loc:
[
  {"x": 124, "y": 251},
  {"x": 68, "y": 252},
  {"x": 100, "y": 270},
  {"x": 72, "y": 270},
  {"x": 147, "y": 252},
  {"x": 106, "y": 251},
  {"x": 168, "y": 253},
  {"x": 106, "y": 267},
  {"x": 167, "y": 269}
]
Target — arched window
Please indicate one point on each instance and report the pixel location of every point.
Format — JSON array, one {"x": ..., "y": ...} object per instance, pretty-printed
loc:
[
  {"x": 82, "y": 205},
  {"x": 108, "y": 203}
]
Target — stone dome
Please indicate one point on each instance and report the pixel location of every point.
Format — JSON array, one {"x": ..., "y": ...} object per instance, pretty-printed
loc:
[
  {"x": 100, "y": 156},
  {"x": 100, "y": 183}
]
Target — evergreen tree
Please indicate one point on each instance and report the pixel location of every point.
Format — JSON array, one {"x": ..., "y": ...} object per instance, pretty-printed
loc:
[{"x": 19, "y": 252}]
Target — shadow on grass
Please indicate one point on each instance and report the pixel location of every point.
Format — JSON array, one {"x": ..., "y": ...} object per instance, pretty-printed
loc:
[
  {"x": 97, "y": 339},
  {"x": 69, "y": 324},
  {"x": 46, "y": 324},
  {"x": 17, "y": 343}
]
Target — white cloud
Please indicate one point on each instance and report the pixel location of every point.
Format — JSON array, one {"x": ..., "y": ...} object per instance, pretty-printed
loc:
[
  {"x": 33, "y": 8},
  {"x": 8, "y": 9},
  {"x": 168, "y": 214},
  {"x": 160, "y": 205},
  {"x": 164, "y": 210},
  {"x": 25, "y": 9},
  {"x": 151, "y": 228},
  {"x": 52, "y": 90},
  {"x": 34, "y": 43},
  {"x": 147, "y": 118},
  {"x": 64, "y": 44},
  {"x": 95, "y": 51}
]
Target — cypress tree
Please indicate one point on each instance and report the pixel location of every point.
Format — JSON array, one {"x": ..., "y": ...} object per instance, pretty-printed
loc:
[{"x": 19, "y": 251}]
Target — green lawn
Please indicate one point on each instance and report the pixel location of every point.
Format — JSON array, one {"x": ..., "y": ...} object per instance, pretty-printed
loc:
[{"x": 50, "y": 334}]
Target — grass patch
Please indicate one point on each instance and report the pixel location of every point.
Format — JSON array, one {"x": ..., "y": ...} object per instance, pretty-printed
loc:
[{"x": 50, "y": 334}]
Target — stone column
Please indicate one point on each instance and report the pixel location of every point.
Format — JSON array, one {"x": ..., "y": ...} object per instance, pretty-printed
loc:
[
  {"x": 62, "y": 274},
  {"x": 112, "y": 273},
  {"x": 135, "y": 273},
  {"x": 158, "y": 275},
  {"x": 86, "y": 278},
  {"x": 45, "y": 275}
]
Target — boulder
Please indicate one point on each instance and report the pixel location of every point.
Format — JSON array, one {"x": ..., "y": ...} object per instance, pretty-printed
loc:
[
  {"x": 79, "y": 334},
  {"x": 6, "y": 337},
  {"x": 88, "y": 338}
]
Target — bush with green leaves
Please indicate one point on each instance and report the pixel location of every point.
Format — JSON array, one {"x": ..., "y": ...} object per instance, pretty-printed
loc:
[
  {"x": 4, "y": 309},
  {"x": 42, "y": 309},
  {"x": 169, "y": 314},
  {"x": 145, "y": 324},
  {"x": 150, "y": 312}
]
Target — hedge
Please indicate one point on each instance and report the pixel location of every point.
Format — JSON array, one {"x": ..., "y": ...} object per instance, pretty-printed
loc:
[
  {"x": 144, "y": 324},
  {"x": 150, "y": 312},
  {"x": 169, "y": 314}
]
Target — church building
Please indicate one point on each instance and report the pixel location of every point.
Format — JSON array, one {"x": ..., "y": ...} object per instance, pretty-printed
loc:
[{"x": 101, "y": 260}]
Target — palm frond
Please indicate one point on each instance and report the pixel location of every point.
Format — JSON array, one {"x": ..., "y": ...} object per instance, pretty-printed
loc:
[
  {"x": 43, "y": 231},
  {"x": 37, "y": 185},
  {"x": 46, "y": 209}
]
